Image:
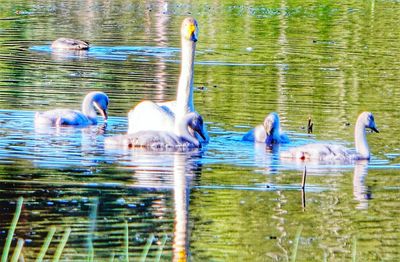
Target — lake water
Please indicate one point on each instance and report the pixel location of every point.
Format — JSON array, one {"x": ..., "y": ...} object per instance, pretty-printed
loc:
[{"x": 231, "y": 200}]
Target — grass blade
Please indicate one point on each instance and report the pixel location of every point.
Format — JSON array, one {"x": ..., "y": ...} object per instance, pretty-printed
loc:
[
  {"x": 13, "y": 225},
  {"x": 17, "y": 250},
  {"x": 354, "y": 249},
  {"x": 161, "y": 248},
  {"x": 61, "y": 246},
  {"x": 46, "y": 244},
  {"x": 112, "y": 257},
  {"x": 296, "y": 244},
  {"x": 147, "y": 248}
]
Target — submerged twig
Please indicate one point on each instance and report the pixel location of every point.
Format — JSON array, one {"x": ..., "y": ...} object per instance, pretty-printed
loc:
[
  {"x": 46, "y": 244},
  {"x": 13, "y": 225},
  {"x": 147, "y": 247},
  {"x": 61, "y": 246},
  {"x": 296, "y": 243}
]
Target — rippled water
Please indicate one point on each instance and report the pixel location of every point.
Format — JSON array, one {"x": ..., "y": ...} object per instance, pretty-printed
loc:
[{"x": 230, "y": 200}]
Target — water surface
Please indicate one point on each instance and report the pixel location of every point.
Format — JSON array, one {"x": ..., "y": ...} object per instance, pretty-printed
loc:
[{"x": 230, "y": 200}]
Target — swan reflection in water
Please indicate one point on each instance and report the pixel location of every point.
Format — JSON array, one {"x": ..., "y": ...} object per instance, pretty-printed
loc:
[
  {"x": 163, "y": 170},
  {"x": 64, "y": 146},
  {"x": 361, "y": 192},
  {"x": 267, "y": 157}
]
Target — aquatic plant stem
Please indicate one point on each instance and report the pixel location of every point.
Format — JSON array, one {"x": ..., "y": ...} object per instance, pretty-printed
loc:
[
  {"x": 296, "y": 243},
  {"x": 303, "y": 181},
  {"x": 12, "y": 229},
  {"x": 146, "y": 248},
  {"x": 46, "y": 244},
  {"x": 303, "y": 186},
  {"x": 61, "y": 246},
  {"x": 17, "y": 250},
  {"x": 161, "y": 248}
]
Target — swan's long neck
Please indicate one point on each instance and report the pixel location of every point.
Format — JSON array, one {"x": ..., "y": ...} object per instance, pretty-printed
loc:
[
  {"x": 183, "y": 130},
  {"x": 184, "y": 96},
  {"x": 360, "y": 138},
  {"x": 88, "y": 109}
]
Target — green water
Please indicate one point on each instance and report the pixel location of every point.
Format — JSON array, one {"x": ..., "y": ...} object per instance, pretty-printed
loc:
[{"x": 231, "y": 201}]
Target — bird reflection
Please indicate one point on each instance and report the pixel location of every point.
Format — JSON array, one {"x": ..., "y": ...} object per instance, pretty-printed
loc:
[
  {"x": 181, "y": 205},
  {"x": 361, "y": 192},
  {"x": 65, "y": 146},
  {"x": 267, "y": 157},
  {"x": 68, "y": 55},
  {"x": 167, "y": 171}
]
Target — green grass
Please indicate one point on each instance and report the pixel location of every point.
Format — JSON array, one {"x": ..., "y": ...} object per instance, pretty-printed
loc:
[
  {"x": 11, "y": 231},
  {"x": 46, "y": 244}
]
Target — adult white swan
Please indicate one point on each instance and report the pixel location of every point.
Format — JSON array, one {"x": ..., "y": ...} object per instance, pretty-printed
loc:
[
  {"x": 167, "y": 116},
  {"x": 88, "y": 116},
  {"x": 326, "y": 152},
  {"x": 69, "y": 44},
  {"x": 161, "y": 140},
  {"x": 269, "y": 132}
]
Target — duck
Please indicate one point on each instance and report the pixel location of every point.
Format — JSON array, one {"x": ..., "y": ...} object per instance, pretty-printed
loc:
[
  {"x": 329, "y": 152},
  {"x": 69, "y": 117},
  {"x": 64, "y": 43},
  {"x": 166, "y": 116},
  {"x": 185, "y": 138},
  {"x": 269, "y": 132}
]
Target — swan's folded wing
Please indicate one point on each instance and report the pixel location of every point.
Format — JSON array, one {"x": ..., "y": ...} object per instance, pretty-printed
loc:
[
  {"x": 148, "y": 115},
  {"x": 60, "y": 117}
]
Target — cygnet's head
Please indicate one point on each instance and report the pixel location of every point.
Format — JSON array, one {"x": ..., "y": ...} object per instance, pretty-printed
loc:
[
  {"x": 196, "y": 124},
  {"x": 271, "y": 123},
  {"x": 100, "y": 102},
  {"x": 368, "y": 121},
  {"x": 189, "y": 29}
]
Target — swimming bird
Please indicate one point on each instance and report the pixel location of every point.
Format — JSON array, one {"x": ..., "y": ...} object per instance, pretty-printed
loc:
[
  {"x": 269, "y": 132},
  {"x": 326, "y": 152},
  {"x": 88, "y": 116},
  {"x": 69, "y": 44},
  {"x": 161, "y": 140},
  {"x": 166, "y": 116}
]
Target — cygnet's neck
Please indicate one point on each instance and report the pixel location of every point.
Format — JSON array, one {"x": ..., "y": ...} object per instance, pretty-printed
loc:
[
  {"x": 276, "y": 131},
  {"x": 88, "y": 108},
  {"x": 184, "y": 96},
  {"x": 360, "y": 139},
  {"x": 183, "y": 130}
]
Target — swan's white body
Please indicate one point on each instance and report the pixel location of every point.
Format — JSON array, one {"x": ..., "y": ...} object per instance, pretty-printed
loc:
[
  {"x": 69, "y": 44},
  {"x": 166, "y": 116},
  {"x": 88, "y": 116},
  {"x": 326, "y": 152},
  {"x": 161, "y": 140},
  {"x": 269, "y": 132}
]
